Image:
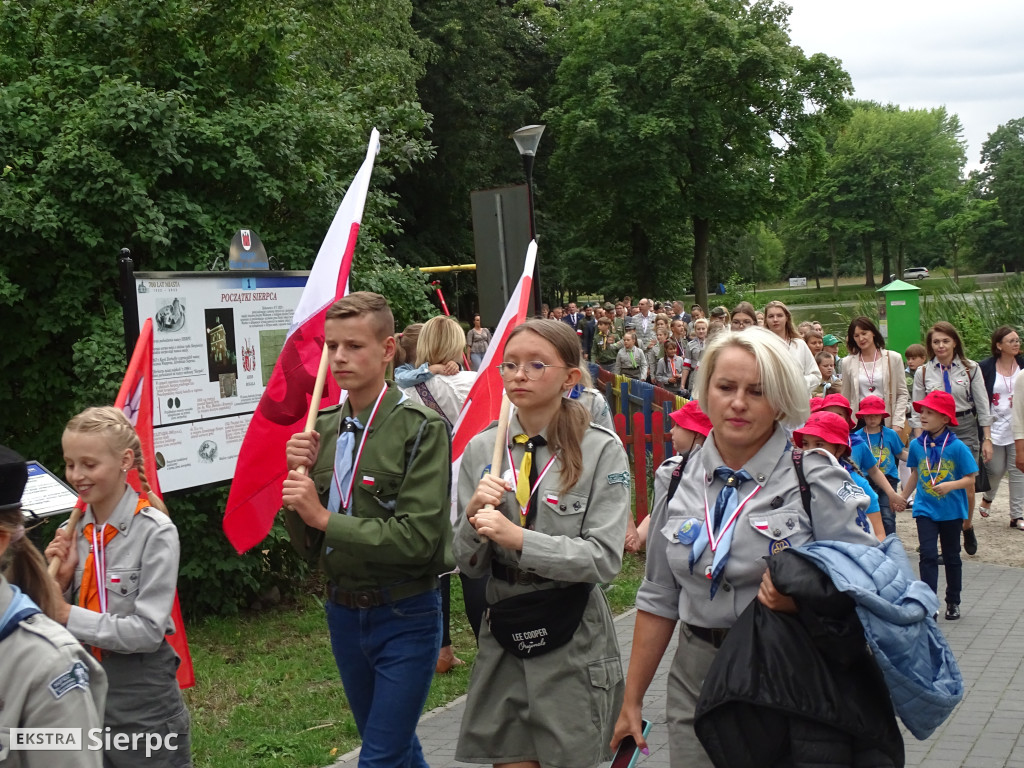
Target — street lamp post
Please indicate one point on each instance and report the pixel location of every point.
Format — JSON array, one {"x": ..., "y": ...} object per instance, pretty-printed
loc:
[{"x": 527, "y": 138}]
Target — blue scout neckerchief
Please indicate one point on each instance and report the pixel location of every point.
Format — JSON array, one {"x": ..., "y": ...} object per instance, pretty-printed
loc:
[{"x": 21, "y": 607}]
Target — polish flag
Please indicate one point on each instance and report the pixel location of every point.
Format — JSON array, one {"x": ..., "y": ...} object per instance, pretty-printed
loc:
[
  {"x": 255, "y": 496},
  {"x": 483, "y": 404},
  {"x": 135, "y": 398}
]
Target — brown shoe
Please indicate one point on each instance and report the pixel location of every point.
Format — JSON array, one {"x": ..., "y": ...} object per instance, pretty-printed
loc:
[{"x": 447, "y": 659}]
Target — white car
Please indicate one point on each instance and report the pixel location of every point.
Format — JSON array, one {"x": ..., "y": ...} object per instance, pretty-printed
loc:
[{"x": 915, "y": 273}]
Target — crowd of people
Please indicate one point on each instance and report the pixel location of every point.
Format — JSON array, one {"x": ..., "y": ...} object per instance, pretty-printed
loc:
[{"x": 792, "y": 462}]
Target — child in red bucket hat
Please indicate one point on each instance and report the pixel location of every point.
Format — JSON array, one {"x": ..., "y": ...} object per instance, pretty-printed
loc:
[
  {"x": 942, "y": 467},
  {"x": 690, "y": 426},
  {"x": 836, "y": 403},
  {"x": 887, "y": 448},
  {"x": 830, "y": 432}
]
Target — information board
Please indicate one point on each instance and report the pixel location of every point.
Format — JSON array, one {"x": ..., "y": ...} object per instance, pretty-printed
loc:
[
  {"x": 216, "y": 337},
  {"x": 45, "y": 494}
]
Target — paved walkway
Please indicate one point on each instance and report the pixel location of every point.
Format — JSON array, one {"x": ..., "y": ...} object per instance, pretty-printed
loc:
[{"x": 985, "y": 730}]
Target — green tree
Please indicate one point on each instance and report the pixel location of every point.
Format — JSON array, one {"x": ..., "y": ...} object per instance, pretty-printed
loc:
[
  {"x": 685, "y": 111},
  {"x": 1002, "y": 179}
]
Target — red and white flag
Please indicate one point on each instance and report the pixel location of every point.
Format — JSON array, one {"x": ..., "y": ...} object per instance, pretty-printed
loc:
[
  {"x": 255, "y": 494},
  {"x": 135, "y": 398},
  {"x": 483, "y": 404}
]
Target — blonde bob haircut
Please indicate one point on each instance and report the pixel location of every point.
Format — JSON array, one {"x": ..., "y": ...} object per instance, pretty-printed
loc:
[
  {"x": 441, "y": 339},
  {"x": 782, "y": 383}
]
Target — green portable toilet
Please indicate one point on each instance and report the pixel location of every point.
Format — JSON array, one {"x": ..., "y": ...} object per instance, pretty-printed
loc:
[{"x": 899, "y": 313}]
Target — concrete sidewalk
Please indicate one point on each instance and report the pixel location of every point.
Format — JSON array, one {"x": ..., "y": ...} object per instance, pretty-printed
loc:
[{"x": 985, "y": 730}]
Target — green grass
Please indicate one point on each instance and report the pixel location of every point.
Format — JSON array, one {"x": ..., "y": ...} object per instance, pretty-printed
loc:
[{"x": 268, "y": 693}]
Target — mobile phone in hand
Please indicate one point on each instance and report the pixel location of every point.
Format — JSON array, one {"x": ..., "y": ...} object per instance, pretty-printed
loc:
[{"x": 628, "y": 752}]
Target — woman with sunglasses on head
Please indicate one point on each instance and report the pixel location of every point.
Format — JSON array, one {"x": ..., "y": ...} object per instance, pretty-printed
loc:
[
  {"x": 949, "y": 370},
  {"x": 1000, "y": 372},
  {"x": 547, "y": 683}
]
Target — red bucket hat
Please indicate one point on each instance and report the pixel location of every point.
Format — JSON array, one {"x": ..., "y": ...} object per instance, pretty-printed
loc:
[
  {"x": 691, "y": 417},
  {"x": 837, "y": 401},
  {"x": 872, "y": 405},
  {"x": 941, "y": 402},
  {"x": 830, "y": 427}
]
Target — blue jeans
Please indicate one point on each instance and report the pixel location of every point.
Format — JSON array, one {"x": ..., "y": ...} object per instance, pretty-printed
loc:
[
  {"x": 929, "y": 534},
  {"x": 884, "y": 508},
  {"x": 386, "y": 656}
]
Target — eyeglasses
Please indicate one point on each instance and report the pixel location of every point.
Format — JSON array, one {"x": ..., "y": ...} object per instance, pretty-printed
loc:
[
  {"x": 533, "y": 369},
  {"x": 1011, "y": 341}
]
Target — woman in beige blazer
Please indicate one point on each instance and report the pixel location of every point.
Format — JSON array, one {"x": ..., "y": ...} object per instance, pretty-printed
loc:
[{"x": 871, "y": 369}]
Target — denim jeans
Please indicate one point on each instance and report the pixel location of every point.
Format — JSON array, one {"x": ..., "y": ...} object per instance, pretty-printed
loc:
[
  {"x": 386, "y": 656},
  {"x": 884, "y": 508},
  {"x": 929, "y": 534}
]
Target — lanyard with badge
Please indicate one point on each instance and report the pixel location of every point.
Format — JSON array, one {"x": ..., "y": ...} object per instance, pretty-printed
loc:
[{"x": 523, "y": 509}]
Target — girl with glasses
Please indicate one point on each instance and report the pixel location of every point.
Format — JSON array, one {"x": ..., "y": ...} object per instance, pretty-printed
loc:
[{"x": 547, "y": 527}]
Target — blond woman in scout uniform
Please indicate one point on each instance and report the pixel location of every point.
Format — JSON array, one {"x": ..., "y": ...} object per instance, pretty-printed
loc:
[
  {"x": 547, "y": 682},
  {"x": 703, "y": 576},
  {"x": 47, "y": 679},
  {"x": 119, "y": 579}
]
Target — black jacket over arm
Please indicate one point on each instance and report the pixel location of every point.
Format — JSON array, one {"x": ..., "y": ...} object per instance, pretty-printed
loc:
[{"x": 798, "y": 690}]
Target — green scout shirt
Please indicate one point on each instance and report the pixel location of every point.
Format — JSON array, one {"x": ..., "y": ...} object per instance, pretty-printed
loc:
[{"x": 399, "y": 529}]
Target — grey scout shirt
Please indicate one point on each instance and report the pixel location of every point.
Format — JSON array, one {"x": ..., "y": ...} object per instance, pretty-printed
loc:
[
  {"x": 47, "y": 680},
  {"x": 965, "y": 383},
  {"x": 772, "y": 520},
  {"x": 142, "y": 576},
  {"x": 578, "y": 536}
]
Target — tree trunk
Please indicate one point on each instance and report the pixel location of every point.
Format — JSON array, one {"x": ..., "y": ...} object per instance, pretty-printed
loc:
[
  {"x": 899, "y": 262},
  {"x": 835, "y": 264},
  {"x": 956, "y": 264},
  {"x": 645, "y": 282},
  {"x": 886, "y": 262},
  {"x": 869, "y": 262},
  {"x": 701, "y": 239}
]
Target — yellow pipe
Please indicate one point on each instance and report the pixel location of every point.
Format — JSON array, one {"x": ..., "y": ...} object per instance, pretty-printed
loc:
[{"x": 453, "y": 268}]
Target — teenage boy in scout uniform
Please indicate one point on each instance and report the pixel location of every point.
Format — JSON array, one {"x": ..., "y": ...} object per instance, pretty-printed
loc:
[{"x": 375, "y": 507}]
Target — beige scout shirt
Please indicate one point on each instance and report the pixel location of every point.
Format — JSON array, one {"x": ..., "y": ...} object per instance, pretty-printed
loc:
[
  {"x": 578, "y": 536},
  {"x": 772, "y": 520},
  {"x": 142, "y": 575},
  {"x": 47, "y": 680}
]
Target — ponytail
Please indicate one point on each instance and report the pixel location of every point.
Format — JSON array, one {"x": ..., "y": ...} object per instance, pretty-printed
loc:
[
  {"x": 24, "y": 566},
  {"x": 565, "y": 437}
]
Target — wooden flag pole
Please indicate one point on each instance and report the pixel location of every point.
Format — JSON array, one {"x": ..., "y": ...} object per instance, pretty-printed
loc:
[
  {"x": 76, "y": 515},
  {"x": 318, "y": 393},
  {"x": 499, "y": 438}
]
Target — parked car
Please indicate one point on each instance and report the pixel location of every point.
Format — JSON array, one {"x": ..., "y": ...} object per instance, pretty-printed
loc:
[{"x": 915, "y": 273}]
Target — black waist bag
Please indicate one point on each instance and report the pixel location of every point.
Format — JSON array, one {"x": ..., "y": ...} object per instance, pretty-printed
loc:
[{"x": 536, "y": 623}]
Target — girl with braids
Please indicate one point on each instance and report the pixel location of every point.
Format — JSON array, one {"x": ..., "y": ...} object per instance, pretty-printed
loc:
[
  {"x": 547, "y": 682},
  {"x": 119, "y": 570},
  {"x": 38, "y": 656}
]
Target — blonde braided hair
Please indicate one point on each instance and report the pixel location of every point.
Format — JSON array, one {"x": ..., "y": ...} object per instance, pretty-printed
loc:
[{"x": 111, "y": 423}]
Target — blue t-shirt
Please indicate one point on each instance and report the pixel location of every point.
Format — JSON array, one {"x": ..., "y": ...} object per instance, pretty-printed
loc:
[
  {"x": 861, "y": 455},
  {"x": 886, "y": 446},
  {"x": 937, "y": 464}
]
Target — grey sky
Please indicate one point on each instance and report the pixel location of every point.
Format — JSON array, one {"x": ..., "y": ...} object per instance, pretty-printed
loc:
[{"x": 968, "y": 56}]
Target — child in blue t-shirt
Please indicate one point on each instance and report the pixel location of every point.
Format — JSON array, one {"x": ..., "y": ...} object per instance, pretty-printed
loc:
[
  {"x": 831, "y": 432},
  {"x": 941, "y": 468},
  {"x": 887, "y": 448}
]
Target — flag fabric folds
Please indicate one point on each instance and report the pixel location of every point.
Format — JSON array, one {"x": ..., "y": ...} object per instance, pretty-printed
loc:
[
  {"x": 483, "y": 404},
  {"x": 255, "y": 495},
  {"x": 135, "y": 398}
]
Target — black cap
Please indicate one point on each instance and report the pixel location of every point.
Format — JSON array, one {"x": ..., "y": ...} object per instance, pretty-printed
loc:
[{"x": 13, "y": 478}]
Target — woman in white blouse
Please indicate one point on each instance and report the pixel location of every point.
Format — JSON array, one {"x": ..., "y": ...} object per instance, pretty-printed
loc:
[
  {"x": 871, "y": 369},
  {"x": 1000, "y": 372},
  {"x": 779, "y": 320}
]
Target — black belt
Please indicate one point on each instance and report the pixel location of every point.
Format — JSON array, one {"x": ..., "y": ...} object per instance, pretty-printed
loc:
[
  {"x": 512, "y": 575},
  {"x": 961, "y": 414},
  {"x": 371, "y": 598},
  {"x": 714, "y": 636}
]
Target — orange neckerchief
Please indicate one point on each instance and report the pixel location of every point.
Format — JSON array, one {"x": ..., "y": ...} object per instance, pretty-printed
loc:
[{"x": 89, "y": 593}]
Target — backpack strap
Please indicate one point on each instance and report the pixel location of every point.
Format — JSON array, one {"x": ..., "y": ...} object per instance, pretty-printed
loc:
[
  {"x": 677, "y": 475},
  {"x": 805, "y": 489}
]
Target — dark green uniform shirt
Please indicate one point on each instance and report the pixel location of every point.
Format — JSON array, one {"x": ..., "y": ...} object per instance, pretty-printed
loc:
[{"x": 400, "y": 528}]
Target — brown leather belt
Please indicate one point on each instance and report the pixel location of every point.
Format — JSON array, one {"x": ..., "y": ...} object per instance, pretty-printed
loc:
[
  {"x": 714, "y": 636},
  {"x": 372, "y": 598},
  {"x": 512, "y": 575}
]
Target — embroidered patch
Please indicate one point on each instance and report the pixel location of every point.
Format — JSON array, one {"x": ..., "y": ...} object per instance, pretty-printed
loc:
[
  {"x": 367, "y": 480},
  {"x": 761, "y": 525},
  {"x": 76, "y": 677},
  {"x": 777, "y": 546},
  {"x": 850, "y": 490},
  {"x": 551, "y": 498},
  {"x": 619, "y": 477}
]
